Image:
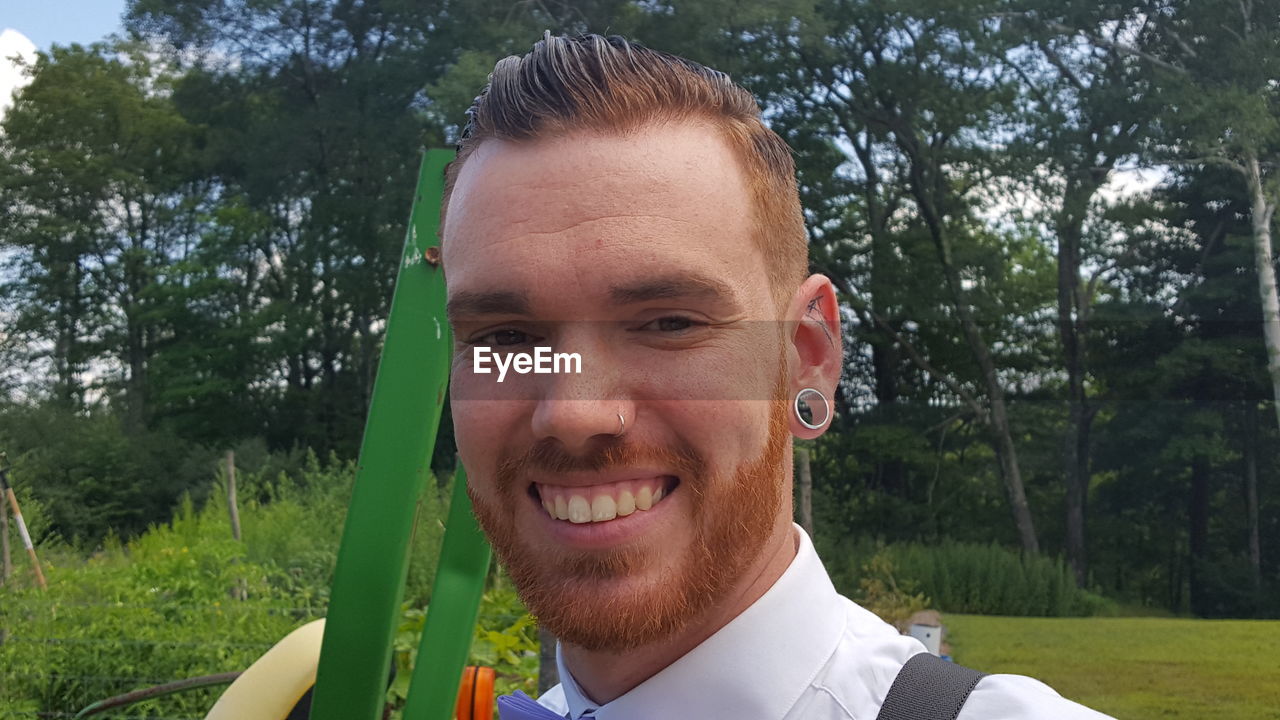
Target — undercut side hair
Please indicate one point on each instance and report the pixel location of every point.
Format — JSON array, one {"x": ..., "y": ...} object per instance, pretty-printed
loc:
[{"x": 613, "y": 85}]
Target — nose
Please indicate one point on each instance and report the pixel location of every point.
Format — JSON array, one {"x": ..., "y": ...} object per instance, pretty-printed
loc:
[
  {"x": 579, "y": 424},
  {"x": 584, "y": 410}
]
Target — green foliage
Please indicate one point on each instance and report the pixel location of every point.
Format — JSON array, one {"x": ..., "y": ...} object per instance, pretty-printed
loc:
[
  {"x": 506, "y": 639},
  {"x": 92, "y": 477},
  {"x": 958, "y": 578},
  {"x": 196, "y": 256},
  {"x": 884, "y": 595},
  {"x": 163, "y": 607},
  {"x": 185, "y": 599}
]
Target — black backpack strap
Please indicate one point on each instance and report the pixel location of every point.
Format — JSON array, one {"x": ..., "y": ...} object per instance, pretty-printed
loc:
[{"x": 928, "y": 688}]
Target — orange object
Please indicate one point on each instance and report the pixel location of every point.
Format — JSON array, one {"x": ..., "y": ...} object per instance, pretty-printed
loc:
[{"x": 475, "y": 695}]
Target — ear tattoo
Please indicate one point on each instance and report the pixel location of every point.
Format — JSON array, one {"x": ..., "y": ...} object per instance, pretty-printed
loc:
[{"x": 814, "y": 305}]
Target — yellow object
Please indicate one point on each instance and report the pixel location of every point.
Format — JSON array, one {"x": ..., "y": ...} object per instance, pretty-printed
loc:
[{"x": 272, "y": 686}]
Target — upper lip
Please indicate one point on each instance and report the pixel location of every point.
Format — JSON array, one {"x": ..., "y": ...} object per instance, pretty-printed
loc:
[{"x": 587, "y": 479}]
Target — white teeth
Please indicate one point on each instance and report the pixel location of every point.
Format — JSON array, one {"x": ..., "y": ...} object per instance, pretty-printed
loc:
[
  {"x": 603, "y": 508},
  {"x": 602, "y": 503},
  {"x": 579, "y": 510},
  {"x": 644, "y": 498},
  {"x": 626, "y": 503}
]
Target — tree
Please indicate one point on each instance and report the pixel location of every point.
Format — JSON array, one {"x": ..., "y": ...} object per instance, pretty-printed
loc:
[
  {"x": 99, "y": 196},
  {"x": 1216, "y": 70},
  {"x": 909, "y": 96},
  {"x": 1086, "y": 109},
  {"x": 314, "y": 136}
]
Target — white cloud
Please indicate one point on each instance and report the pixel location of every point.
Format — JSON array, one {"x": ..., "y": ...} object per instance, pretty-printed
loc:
[{"x": 13, "y": 43}]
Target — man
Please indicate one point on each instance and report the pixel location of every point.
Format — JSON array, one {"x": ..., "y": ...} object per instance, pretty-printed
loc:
[{"x": 630, "y": 207}]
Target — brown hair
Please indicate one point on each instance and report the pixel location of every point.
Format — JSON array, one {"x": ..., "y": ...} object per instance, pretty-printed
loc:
[{"x": 611, "y": 84}]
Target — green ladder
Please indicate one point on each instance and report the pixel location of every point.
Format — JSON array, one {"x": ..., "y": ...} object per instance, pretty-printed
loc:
[{"x": 395, "y": 455}]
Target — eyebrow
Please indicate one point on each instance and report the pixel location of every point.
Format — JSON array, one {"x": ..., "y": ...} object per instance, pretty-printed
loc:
[
  {"x": 671, "y": 287},
  {"x": 493, "y": 302},
  {"x": 668, "y": 287}
]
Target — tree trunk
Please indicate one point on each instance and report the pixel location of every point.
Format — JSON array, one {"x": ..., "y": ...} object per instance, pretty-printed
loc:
[
  {"x": 1251, "y": 493},
  {"x": 997, "y": 417},
  {"x": 1198, "y": 533},
  {"x": 890, "y": 473},
  {"x": 1009, "y": 468},
  {"x": 133, "y": 303},
  {"x": 136, "y": 386},
  {"x": 1072, "y": 314},
  {"x": 805, "y": 484},
  {"x": 1263, "y": 209},
  {"x": 1076, "y": 468}
]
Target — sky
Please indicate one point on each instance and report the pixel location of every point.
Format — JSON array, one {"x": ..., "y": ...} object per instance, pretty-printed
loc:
[{"x": 28, "y": 25}]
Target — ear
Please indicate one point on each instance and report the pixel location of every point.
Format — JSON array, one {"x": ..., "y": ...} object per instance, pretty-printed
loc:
[{"x": 816, "y": 351}]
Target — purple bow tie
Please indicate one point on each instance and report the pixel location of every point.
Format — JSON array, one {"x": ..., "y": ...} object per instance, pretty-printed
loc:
[{"x": 518, "y": 706}]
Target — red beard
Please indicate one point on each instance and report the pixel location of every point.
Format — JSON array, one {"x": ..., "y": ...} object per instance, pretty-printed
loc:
[{"x": 581, "y": 598}]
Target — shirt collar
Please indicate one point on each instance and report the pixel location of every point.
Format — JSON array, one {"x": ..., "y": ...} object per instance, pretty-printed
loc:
[{"x": 756, "y": 666}]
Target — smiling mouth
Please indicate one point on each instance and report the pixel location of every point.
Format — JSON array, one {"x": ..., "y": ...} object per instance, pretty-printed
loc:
[{"x": 602, "y": 503}]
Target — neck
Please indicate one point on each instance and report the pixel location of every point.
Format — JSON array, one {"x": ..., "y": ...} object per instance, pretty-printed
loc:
[{"x": 605, "y": 676}]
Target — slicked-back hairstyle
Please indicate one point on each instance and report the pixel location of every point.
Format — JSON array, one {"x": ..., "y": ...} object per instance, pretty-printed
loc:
[{"x": 612, "y": 85}]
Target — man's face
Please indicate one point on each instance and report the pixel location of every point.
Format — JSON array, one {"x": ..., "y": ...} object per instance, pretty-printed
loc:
[{"x": 636, "y": 253}]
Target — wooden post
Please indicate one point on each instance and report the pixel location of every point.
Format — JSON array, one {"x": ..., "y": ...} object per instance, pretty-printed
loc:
[
  {"x": 231, "y": 495},
  {"x": 4, "y": 541},
  {"x": 805, "y": 483},
  {"x": 22, "y": 527}
]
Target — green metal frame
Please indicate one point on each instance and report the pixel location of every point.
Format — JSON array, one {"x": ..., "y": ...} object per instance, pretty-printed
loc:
[{"x": 404, "y": 415}]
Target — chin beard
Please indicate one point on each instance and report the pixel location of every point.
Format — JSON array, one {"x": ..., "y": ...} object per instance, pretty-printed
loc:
[{"x": 617, "y": 601}]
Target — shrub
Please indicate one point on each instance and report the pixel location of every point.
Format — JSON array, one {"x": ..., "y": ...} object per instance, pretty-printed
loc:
[
  {"x": 185, "y": 599},
  {"x": 506, "y": 639},
  {"x": 93, "y": 477},
  {"x": 969, "y": 577},
  {"x": 160, "y": 608},
  {"x": 884, "y": 595}
]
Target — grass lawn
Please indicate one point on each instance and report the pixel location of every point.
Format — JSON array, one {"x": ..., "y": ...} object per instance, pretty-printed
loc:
[{"x": 1134, "y": 668}]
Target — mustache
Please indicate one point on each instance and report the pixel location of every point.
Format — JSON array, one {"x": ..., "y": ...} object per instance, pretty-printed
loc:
[{"x": 550, "y": 456}]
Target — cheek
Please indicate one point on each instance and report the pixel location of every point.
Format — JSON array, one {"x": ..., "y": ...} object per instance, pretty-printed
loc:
[
  {"x": 480, "y": 428},
  {"x": 716, "y": 374},
  {"x": 725, "y": 433}
]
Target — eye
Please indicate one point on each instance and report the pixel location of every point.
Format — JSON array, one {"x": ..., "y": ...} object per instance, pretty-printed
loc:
[
  {"x": 672, "y": 324},
  {"x": 504, "y": 337}
]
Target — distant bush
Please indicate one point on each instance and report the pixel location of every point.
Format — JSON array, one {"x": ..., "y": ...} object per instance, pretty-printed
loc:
[
  {"x": 93, "y": 477},
  {"x": 884, "y": 594},
  {"x": 185, "y": 599},
  {"x": 162, "y": 607},
  {"x": 970, "y": 578}
]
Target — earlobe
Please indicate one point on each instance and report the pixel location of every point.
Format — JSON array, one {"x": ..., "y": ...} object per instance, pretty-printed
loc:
[{"x": 812, "y": 408}]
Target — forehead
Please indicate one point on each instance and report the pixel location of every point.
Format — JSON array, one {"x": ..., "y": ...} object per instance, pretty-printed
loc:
[{"x": 583, "y": 210}]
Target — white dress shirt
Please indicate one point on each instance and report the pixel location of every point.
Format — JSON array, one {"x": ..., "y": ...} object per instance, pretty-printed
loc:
[{"x": 801, "y": 651}]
